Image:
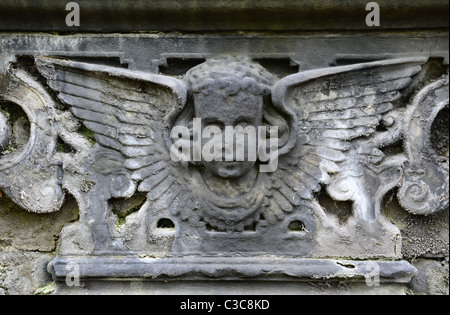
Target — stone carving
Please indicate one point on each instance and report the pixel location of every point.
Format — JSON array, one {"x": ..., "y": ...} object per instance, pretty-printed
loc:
[
  {"x": 5, "y": 132},
  {"x": 40, "y": 190},
  {"x": 424, "y": 186},
  {"x": 332, "y": 126}
]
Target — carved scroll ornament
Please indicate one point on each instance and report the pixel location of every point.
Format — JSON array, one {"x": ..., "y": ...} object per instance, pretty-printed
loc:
[
  {"x": 424, "y": 186},
  {"x": 32, "y": 176}
]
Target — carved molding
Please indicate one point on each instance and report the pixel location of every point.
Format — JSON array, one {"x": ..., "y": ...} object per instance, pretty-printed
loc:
[{"x": 188, "y": 15}]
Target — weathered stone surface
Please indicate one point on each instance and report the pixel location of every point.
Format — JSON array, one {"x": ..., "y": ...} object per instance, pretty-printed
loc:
[
  {"x": 422, "y": 236},
  {"x": 28, "y": 242},
  {"x": 5, "y": 132},
  {"x": 432, "y": 277},
  {"x": 23, "y": 272},
  {"x": 285, "y": 54},
  {"x": 101, "y": 147},
  {"x": 216, "y": 289},
  {"x": 30, "y": 231}
]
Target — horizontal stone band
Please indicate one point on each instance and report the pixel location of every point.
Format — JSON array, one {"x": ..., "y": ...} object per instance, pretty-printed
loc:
[{"x": 232, "y": 269}]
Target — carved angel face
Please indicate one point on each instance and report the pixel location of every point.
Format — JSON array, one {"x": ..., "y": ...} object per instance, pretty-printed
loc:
[
  {"x": 241, "y": 109},
  {"x": 234, "y": 92}
]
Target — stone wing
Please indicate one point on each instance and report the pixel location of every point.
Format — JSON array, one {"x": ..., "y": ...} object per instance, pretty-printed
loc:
[
  {"x": 335, "y": 107},
  {"x": 130, "y": 112}
]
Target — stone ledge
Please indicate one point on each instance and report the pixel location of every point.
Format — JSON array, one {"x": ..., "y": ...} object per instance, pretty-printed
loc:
[
  {"x": 198, "y": 16},
  {"x": 231, "y": 269}
]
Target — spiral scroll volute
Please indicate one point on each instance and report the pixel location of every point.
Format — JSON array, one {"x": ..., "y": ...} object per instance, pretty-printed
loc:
[{"x": 31, "y": 177}]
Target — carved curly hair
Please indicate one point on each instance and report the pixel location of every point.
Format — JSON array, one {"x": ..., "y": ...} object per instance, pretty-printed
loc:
[{"x": 227, "y": 75}]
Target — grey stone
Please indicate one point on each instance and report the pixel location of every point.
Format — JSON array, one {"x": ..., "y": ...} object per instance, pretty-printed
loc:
[
  {"x": 422, "y": 236},
  {"x": 331, "y": 145},
  {"x": 432, "y": 277},
  {"x": 132, "y": 149},
  {"x": 30, "y": 231},
  {"x": 360, "y": 182},
  {"x": 308, "y": 51},
  {"x": 233, "y": 269},
  {"x": 5, "y": 132},
  {"x": 219, "y": 289},
  {"x": 417, "y": 194},
  {"x": 188, "y": 15},
  {"x": 23, "y": 272}
]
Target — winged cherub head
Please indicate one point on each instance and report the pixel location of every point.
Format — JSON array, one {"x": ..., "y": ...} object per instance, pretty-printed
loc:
[{"x": 228, "y": 92}]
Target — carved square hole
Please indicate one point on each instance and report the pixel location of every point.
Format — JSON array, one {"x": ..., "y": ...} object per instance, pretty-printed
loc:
[
  {"x": 281, "y": 67},
  {"x": 179, "y": 66}
]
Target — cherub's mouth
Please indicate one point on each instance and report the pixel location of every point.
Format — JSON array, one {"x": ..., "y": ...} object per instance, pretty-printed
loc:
[{"x": 230, "y": 164}]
